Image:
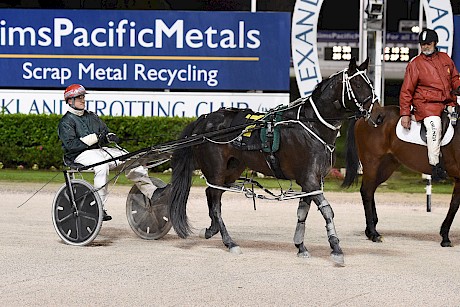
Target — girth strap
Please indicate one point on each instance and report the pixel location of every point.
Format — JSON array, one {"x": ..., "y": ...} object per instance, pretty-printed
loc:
[{"x": 274, "y": 165}]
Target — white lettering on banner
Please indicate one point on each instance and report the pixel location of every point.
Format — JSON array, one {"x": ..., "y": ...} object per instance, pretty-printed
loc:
[
  {"x": 139, "y": 103},
  {"x": 189, "y": 74},
  {"x": 439, "y": 18},
  {"x": 304, "y": 50},
  {"x": 42, "y": 73},
  {"x": 107, "y": 73},
  {"x": 125, "y": 33}
]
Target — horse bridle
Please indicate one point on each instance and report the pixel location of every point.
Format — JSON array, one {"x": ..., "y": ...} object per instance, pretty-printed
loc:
[
  {"x": 352, "y": 97},
  {"x": 348, "y": 90}
]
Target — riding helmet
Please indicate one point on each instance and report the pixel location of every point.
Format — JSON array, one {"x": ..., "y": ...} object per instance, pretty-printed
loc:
[
  {"x": 74, "y": 90},
  {"x": 427, "y": 36}
]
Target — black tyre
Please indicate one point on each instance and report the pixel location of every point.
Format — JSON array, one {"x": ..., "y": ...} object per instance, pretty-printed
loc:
[{"x": 80, "y": 224}]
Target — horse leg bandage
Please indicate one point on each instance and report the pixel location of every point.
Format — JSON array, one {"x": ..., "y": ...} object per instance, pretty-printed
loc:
[
  {"x": 328, "y": 216},
  {"x": 302, "y": 212}
]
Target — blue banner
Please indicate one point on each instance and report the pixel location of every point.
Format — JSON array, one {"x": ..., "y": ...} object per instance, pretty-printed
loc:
[
  {"x": 456, "y": 45},
  {"x": 116, "y": 49}
]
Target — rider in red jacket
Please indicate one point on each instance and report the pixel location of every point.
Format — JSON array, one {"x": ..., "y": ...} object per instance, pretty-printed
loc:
[{"x": 427, "y": 87}]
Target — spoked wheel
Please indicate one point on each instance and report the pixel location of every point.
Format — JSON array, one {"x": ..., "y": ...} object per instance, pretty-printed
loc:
[
  {"x": 80, "y": 224},
  {"x": 148, "y": 221}
]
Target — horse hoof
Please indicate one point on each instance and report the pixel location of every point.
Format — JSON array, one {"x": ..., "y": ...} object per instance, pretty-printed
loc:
[
  {"x": 446, "y": 244},
  {"x": 202, "y": 233},
  {"x": 235, "y": 250},
  {"x": 304, "y": 254},
  {"x": 338, "y": 259},
  {"x": 377, "y": 239}
]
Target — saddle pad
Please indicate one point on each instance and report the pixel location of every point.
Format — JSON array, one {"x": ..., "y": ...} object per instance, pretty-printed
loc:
[
  {"x": 251, "y": 139},
  {"x": 412, "y": 135}
]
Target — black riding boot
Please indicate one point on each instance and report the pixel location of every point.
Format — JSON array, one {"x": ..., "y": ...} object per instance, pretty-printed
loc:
[{"x": 438, "y": 173}]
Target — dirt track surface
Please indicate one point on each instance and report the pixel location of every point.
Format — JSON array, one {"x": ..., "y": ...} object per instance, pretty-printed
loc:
[{"x": 120, "y": 269}]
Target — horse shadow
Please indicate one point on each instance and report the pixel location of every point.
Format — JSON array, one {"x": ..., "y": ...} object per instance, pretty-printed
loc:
[{"x": 420, "y": 236}]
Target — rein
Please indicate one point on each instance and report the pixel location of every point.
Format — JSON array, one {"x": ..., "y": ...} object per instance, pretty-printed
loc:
[
  {"x": 347, "y": 93},
  {"x": 350, "y": 95},
  {"x": 346, "y": 90}
]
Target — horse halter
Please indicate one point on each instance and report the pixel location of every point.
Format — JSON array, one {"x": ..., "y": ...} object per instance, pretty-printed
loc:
[{"x": 351, "y": 95}]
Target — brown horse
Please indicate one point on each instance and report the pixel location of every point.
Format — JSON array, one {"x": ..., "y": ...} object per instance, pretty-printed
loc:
[
  {"x": 381, "y": 152},
  {"x": 308, "y": 129}
]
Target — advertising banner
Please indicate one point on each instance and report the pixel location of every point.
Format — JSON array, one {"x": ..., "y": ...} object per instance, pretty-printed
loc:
[
  {"x": 304, "y": 45},
  {"x": 115, "y": 49},
  {"x": 136, "y": 103},
  {"x": 456, "y": 43},
  {"x": 439, "y": 18}
]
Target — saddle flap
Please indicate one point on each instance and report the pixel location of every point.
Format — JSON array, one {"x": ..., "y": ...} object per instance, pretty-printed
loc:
[
  {"x": 445, "y": 123},
  {"x": 413, "y": 135}
]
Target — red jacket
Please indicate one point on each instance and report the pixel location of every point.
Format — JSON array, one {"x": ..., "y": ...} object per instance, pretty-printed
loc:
[{"x": 427, "y": 84}]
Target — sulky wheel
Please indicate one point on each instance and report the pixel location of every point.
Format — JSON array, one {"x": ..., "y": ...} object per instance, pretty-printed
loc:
[
  {"x": 148, "y": 221},
  {"x": 80, "y": 224}
]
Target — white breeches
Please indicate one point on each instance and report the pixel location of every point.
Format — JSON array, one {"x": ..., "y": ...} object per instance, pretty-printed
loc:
[
  {"x": 138, "y": 175},
  {"x": 433, "y": 138}
]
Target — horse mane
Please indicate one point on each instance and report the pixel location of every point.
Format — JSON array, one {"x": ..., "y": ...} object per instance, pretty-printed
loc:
[
  {"x": 317, "y": 91},
  {"x": 321, "y": 87}
]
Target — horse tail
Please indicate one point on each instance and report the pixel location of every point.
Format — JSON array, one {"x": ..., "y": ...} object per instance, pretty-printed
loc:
[
  {"x": 351, "y": 157},
  {"x": 182, "y": 163}
]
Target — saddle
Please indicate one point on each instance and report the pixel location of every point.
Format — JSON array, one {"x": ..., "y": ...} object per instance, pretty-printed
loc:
[{"x": 417, "y": 132}]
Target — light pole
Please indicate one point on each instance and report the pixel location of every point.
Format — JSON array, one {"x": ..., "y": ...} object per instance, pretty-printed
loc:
[{"x": 372, "y": 37}]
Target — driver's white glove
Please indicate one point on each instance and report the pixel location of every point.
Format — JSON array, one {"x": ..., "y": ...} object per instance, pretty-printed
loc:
[{"x": 90, "y": 139}]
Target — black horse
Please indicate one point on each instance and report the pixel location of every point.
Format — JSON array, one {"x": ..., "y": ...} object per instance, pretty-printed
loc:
[{"x": 308, "y": 129}]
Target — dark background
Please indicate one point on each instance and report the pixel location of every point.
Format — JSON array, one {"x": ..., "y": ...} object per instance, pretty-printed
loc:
[
  {"x": 348, "y": 9},
  {"x": 328, "y": 20},
  {"x": 348, "y": 20}
]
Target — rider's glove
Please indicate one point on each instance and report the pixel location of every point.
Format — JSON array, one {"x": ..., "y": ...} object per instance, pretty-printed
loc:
[
  {"x": 102, "y": 140},
  {"x": 90, "y": 139},
  {"x": 112, "y": 138}
]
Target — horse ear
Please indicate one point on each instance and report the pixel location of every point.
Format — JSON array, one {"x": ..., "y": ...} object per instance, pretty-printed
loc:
[
  {"x": 352, "y": 65},
  {"x": 364, "y": 65}
]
